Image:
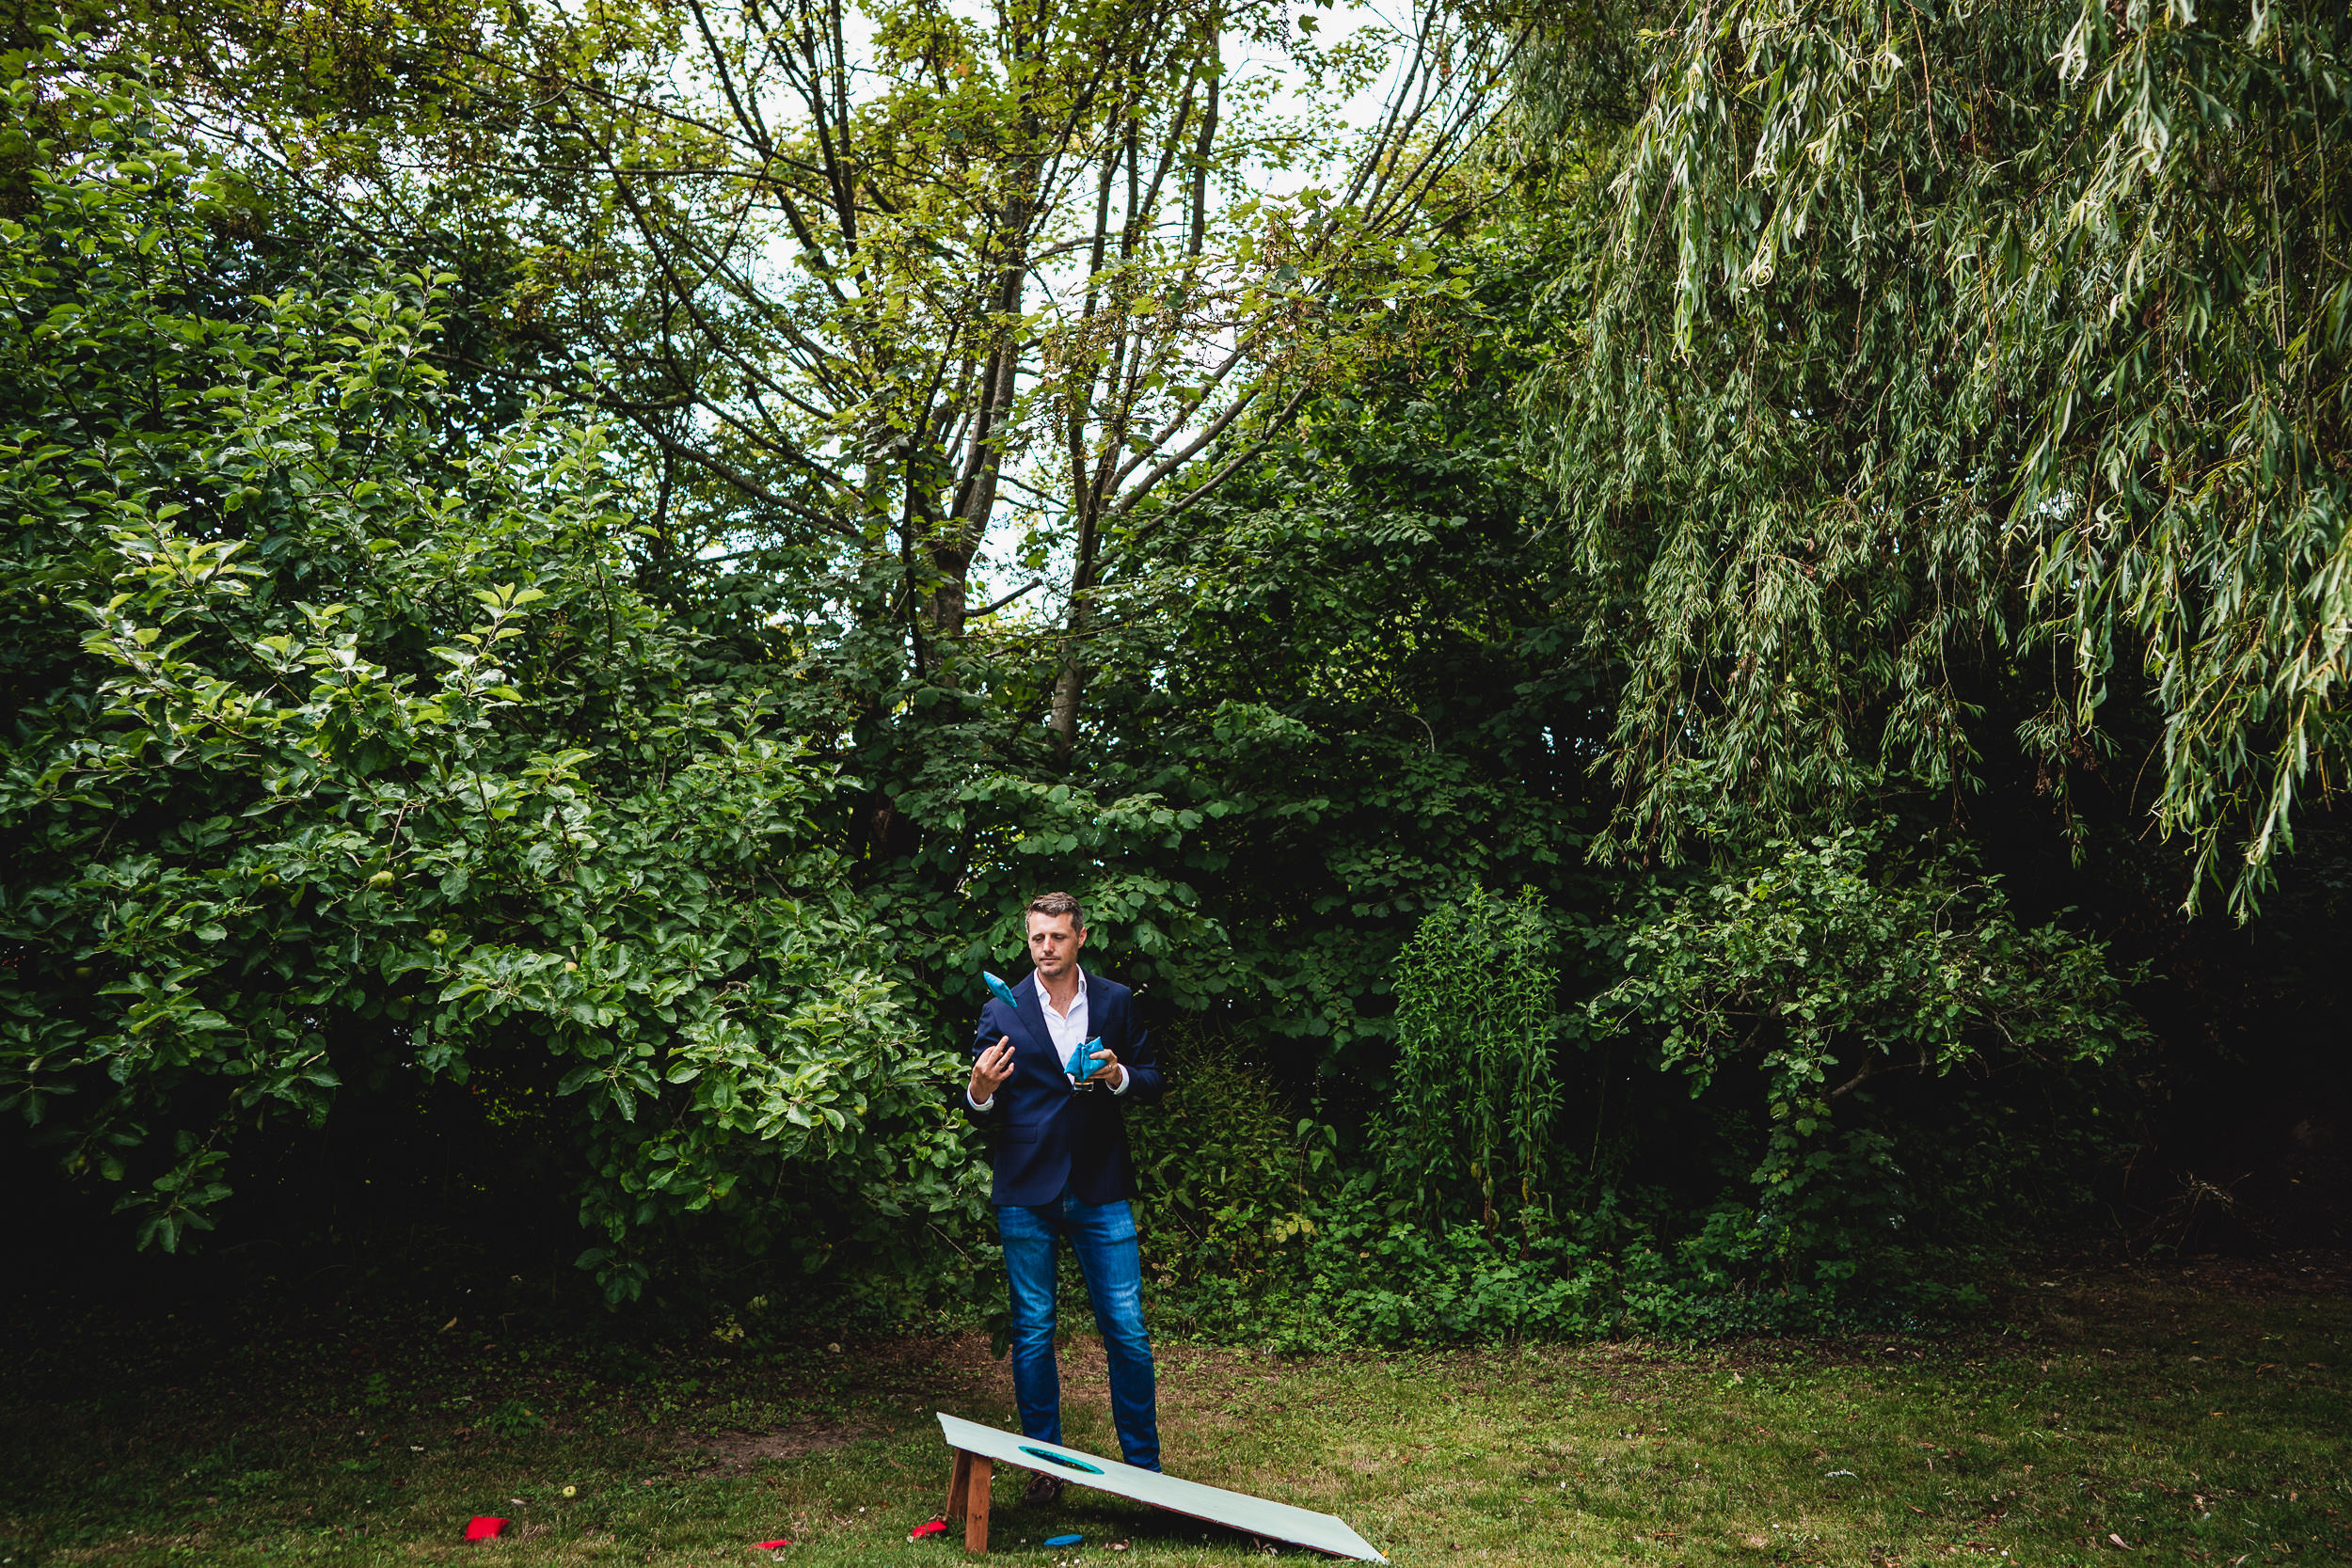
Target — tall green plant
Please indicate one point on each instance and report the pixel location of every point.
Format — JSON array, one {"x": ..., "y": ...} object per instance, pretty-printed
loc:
[{"x": 1476, "y": 1094}]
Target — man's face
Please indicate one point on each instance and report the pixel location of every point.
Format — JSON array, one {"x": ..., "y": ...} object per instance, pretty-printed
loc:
[{"x": 1053, "y": 943}]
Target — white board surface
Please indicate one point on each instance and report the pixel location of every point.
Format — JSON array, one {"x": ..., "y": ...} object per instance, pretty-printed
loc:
[{"x": 1238, "y": 1510}]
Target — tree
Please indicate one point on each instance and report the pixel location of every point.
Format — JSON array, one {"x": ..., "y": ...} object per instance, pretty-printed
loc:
[
  {"x": 1937, "y": 353},
  {"x": 861, "y": 290},
  {"x": 338, "y": 746}
]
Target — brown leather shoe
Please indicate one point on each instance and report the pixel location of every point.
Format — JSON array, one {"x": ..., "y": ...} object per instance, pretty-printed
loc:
[{"x": 1043, "y": 1491}]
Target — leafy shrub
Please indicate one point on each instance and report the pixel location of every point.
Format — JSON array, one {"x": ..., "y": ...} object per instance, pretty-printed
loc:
[
  {"x": 1222, "y": 1165},
  {"x": 1370, "y": 1273},
  {"x": 1256, "y": 1231},
  {"x": 340, "y": 746},
  {"x": 1829, "y": 964},
  {"x": 1253, "y": 1232},
  {"x": 1476, "y": 1095}
]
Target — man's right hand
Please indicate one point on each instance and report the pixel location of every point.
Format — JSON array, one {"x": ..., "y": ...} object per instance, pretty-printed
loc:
[{"x": 990, "y": 1072}]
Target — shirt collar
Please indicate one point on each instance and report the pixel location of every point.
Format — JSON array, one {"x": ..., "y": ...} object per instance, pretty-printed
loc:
[{"x": 1036, "y": 982}]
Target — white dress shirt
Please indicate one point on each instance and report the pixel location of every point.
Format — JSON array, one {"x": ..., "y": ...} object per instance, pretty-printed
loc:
[{"x": 1067, "y": 1032}]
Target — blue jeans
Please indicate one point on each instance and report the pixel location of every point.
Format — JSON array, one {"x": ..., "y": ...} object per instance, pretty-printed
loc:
[{"x": 1104, "y": 1237}]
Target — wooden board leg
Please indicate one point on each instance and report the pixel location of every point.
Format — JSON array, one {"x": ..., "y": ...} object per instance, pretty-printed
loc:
[
  {"x": 959, "y": 1481},
  {"x": 976, "y": 1506}
]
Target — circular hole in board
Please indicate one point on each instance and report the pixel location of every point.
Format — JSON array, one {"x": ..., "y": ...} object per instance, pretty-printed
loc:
[{"x": 1064, "y": 1459}]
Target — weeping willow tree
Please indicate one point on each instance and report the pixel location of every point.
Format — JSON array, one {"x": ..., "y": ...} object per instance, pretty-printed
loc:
[{"x": 1930, "y": 346}]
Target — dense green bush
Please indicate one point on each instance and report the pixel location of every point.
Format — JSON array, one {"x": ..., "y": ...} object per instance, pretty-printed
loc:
[
  {"x": 336, "y": 745},
  {"x": 1356, "y": 1267},
  {"x": 1228, "y": 1173},
  {"x": 1818, "y": 966},
  {"x": 1254, "y": 1231},
  {"x": 1827, "y": 1204}
]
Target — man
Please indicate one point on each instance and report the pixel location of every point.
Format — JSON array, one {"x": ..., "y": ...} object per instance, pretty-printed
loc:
[{"x": 1063, "y": 1173}]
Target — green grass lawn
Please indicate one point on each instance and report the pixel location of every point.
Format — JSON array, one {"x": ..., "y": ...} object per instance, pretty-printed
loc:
[{"x": 2193, "y": 1415}]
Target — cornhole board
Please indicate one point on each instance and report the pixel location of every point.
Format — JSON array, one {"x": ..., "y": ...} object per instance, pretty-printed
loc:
[{"x": 979, "y": 1450}]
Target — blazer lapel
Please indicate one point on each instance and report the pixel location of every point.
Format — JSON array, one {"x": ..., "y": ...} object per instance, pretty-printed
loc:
[
  {"x": 1094, "y": 1011},
  {"x": 1033, "y": 1016}
]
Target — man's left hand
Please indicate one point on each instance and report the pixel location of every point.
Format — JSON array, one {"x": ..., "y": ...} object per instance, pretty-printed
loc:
[{"x": 1107, "y": 1071}]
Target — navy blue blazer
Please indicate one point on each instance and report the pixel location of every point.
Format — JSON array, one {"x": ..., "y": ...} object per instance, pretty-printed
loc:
[{"x": 1042, "y": 1135}]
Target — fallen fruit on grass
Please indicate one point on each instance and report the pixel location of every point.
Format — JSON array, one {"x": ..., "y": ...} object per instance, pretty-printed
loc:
[{"x": 483, "y": 1527}]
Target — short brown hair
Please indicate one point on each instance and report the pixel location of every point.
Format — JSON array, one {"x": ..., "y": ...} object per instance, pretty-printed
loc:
[{"x": 1060, "y": 903}]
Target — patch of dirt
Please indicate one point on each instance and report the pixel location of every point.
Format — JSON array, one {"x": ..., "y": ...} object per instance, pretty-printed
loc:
[
  {"x": 931, "y": 1373},
  {"x": 910, "y": 1376},
  {"x": 2291, "y": 1274},
  {"x": 741, "y": 1449}
]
